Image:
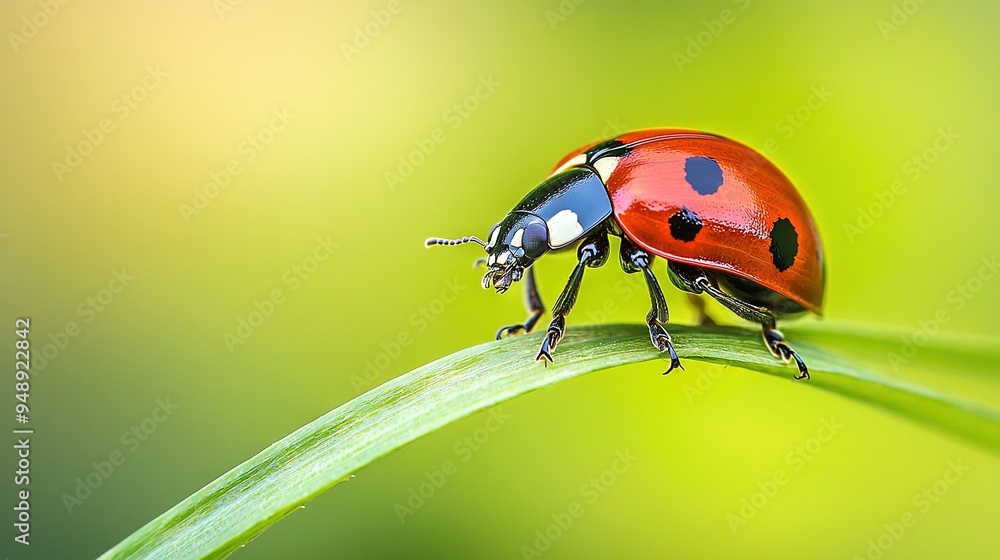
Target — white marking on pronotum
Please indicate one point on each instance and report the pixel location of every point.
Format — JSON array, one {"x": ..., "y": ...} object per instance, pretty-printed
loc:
[
  {"x": 606, "y": 166},
  {"x": 564, "y": 228},
  {"x": 503, "y": 258},
  {"x": 578, "y": 160},
  {"x": 516, "y": 240},
  {"x": 493, "y": 237}
]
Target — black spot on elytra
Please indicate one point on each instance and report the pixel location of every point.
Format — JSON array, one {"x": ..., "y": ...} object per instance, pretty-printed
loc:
[
  {"x": 703, "y": 174},
  {"x": 784, "y": 244},
  {"x": 613, "y": 147},
  {"x": 684, "y": 225}
]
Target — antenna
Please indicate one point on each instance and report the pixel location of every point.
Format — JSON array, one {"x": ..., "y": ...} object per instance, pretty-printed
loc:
[{"x": 438, "y": 241}]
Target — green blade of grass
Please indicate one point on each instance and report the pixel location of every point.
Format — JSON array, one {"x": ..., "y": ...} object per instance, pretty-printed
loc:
[{"x": 231, "y": 510}]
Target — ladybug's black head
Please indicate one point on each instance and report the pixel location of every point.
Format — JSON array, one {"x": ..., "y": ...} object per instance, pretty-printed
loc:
[
  {"x": 554, "y": 215},
  {"x": 514, "y": 244}
]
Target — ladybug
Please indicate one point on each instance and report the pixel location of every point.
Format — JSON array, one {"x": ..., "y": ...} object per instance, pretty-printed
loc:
[{"x": 726, "y": 220}]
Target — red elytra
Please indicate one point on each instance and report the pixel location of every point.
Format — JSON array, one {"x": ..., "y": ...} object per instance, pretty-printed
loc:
[{"x": 745, "y": 211}]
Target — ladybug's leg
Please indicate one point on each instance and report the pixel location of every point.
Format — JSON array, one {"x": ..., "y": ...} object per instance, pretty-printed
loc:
[
  {"x": 593, "y": 252},
  {"x": 634, "y": 259},
  {"x": 533, "y": 301},
  {"x": 694, "y": 280},
  {"x": 684, "y": 278},
  {"x": 776, "y": 344}
]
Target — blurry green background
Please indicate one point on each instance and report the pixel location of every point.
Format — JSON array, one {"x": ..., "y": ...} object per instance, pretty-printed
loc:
[{"x": 841, "y": 95}]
